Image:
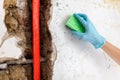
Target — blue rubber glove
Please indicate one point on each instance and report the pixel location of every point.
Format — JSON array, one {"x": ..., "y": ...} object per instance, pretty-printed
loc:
[{"x": 91, "y": 35}]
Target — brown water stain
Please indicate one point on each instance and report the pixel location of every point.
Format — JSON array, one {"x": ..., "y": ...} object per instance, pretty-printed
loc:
[
  {"x": 112, "y": 1},
  {"x": 115, "y": 4}
]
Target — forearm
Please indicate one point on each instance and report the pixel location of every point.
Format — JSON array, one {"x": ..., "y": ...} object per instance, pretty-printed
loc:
[{"x": 112, "y": 51}]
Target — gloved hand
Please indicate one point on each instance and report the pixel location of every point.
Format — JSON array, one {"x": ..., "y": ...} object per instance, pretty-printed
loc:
[{"x": 91, "y": 35}]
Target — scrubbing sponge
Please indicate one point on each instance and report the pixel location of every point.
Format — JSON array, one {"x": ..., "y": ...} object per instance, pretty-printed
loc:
[{"x": 74, "y": 24}]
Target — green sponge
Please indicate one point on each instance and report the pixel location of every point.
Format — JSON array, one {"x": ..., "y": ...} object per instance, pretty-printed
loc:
[{"x": 74, "y": 24}]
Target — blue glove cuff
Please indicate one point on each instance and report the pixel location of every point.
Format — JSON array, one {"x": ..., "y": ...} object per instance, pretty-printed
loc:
[{"x": 98, "y": 42}]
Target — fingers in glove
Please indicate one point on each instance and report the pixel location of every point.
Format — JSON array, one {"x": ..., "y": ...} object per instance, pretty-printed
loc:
[
  {"x": 81, "y": 20},
  {"x": 84, "y": 16}
]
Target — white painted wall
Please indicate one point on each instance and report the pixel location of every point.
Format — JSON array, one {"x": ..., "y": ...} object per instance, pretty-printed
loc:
[
  {"x": 9, "y": 48},
  {"x": 77, "y": 59}
]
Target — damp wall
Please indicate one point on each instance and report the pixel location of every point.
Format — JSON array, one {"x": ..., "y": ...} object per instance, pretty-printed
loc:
[
  {"x": 9, "y": 49},
  {"x": 77, "y": 59}
]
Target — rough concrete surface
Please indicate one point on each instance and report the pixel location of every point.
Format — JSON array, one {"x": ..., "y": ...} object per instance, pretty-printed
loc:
[{"x": 78, "y": 59}]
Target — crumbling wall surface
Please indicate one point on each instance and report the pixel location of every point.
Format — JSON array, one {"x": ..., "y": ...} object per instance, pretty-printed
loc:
[
  {"x": 18, "y": 23},
  {"x": 46, "y": 41},
  {"x": 17, "y": 72}
]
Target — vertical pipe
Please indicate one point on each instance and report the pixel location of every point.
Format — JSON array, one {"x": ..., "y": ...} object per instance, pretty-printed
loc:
[{"x": 36, "y": 38}]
